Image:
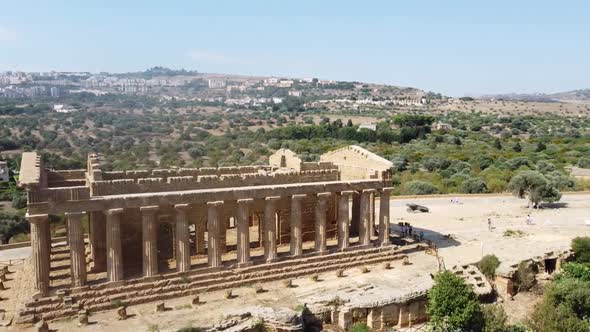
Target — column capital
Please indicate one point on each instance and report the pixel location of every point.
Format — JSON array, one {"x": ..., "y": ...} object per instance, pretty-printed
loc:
[
  {"x": 147, "y": 210},
  {"x": 272, "y": 198},
  {"x": 323, "y": 196},
  {"x": 113, "y": 212},
  {"x": 74, "y": 215},
  {"x": 37, "y": 218},
  {"x": 215, "y": 203},
  {"x": 181, "y": 207},
  {"x": 386, "y": 190},
  {"x": 369, "y": 191},
  {"x": 299, "y": 196},
  {"x": 245, "y": 201},
  {"x": 347, "y": 192}
]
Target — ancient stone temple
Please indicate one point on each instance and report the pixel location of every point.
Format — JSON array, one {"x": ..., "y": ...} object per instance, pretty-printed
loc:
[{"x": 127, "y": 229}]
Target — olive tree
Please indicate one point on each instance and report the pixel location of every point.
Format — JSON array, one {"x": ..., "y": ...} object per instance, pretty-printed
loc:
[{"x": 534, "y": 186}]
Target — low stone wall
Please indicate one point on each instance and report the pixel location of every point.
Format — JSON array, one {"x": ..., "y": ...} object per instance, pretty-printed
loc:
[
  {"x": 195, "y": 172},
  {"x": 59, "y": 194},
  {"x": 56, "y": 176},
  {"x": 397, "y": 312},
  {"x": 189, "y": 182}
]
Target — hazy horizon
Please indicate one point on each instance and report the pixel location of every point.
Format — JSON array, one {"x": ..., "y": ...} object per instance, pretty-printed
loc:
[{"x": 456, "y": 48}]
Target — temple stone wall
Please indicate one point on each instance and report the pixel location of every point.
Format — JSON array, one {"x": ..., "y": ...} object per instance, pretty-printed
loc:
[
  {"x": 357, "y": 163},
  {"x": 180, "y": 183},
  {"x": 285, "y": 158}
]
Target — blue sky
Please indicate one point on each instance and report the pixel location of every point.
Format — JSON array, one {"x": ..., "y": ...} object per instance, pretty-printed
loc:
[{"x": 453, "y": 47}]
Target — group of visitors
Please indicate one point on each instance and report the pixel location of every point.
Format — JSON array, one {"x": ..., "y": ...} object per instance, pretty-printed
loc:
[{"x": 529, "y": 221}]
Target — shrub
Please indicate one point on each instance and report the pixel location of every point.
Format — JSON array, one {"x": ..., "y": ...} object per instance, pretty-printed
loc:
[
  {"x": 19, "y": 201},
  {"x": 474, "y": 186},
  {"x": 575, "y": 270},
  {"x": 452, "y": 305},
  {"x": 565, "y": 308},
  {"x": 495, "y": 319},
  {"x": 488, "y": 265},
  {"x": 583, "y": 162},
  {"x": 419, "y": 188},
  {"x": 581, "y": 248},
  {"x": 359, "y": 327},
  {"x": 514, "y": 233}
]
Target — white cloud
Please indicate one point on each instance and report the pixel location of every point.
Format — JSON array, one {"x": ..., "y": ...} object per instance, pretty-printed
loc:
[
  {"x": 7, "y": 34},
  {"x": 212, "y": 57}
]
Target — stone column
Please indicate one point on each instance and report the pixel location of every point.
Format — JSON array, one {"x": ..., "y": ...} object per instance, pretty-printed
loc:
[
  {"x": 384, "y": 216},
  {"x": 372, "y": 213},
  {"x": 355, "y": 220},
  {"x": 41, "y": 259},
  {"x": 114, "y": 254},
  {"x": 320, "y": 222},
  {"x": 150, "y": 240},
  {"x": 213, "y": 250},
  {"x": 243, "y": 230},
  {"x": 77, "y": 250},
  {"x": 343, "y": 219},
  {"x": 270, "y": 229},
  {"x": 365, "y": 214},
  {"x": 183, "y": 247},
  {"x": 296, "y": 231},
  {"x": 98, "y": 240}
]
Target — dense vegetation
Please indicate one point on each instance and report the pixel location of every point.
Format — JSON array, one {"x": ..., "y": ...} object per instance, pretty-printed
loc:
[
  {"x": 566, "y": 301},
  {"x": 479, "y": 153}
]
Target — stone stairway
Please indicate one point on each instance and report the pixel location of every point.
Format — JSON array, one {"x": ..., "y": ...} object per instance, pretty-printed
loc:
[{"x": 106, "y": 296}]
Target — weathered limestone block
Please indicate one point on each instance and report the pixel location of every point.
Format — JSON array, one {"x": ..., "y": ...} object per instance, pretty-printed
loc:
[
  {"x": 83, "y": 317},
  {"x": 42, "y": 326},
  {"x": 122, "y": 313}
]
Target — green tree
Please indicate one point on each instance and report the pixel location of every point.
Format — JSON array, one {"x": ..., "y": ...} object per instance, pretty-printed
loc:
[
  {"x": 11, "y": 225},
  {"x": 534, "y": 186},
  {"x": 474, "y": 186},
  {"x": 452, "y": 305}
]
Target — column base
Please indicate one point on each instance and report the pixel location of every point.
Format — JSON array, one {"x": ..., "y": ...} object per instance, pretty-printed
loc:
[
  {"x": 245, "y": 264},
  {"x": 39, "y": 295},
  {"x": 364, "y": 246},
  {"x": 272, "y": 260},
  {"x": 322, "y": 252},
  {"x": 113, "y": 284}
]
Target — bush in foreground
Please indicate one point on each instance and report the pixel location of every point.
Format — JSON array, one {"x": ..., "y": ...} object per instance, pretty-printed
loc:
[
  {"x": 581, "y": 248},
  {"x": 452, "y": 305},
  {"x": 488, "y": 265}
]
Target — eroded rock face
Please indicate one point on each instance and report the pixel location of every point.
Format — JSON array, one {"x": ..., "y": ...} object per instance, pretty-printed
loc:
[
  {"x": 473, "y": 277},
  {"x": 252, "y": 318}
]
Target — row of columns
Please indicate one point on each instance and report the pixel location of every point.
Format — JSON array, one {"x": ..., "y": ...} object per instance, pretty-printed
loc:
[{"x": 40, "y": 238}]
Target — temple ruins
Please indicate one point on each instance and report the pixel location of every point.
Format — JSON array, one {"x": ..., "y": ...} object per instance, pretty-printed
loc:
[{"x": 171, "y": 232}]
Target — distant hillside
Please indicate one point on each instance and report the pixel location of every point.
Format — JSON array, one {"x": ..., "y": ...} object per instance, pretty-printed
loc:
[
  {"x": 575, "y": 95},
  {"x": 579, "y": 95}
]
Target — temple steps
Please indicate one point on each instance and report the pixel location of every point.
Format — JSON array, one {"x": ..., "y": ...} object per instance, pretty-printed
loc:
[{"x": 105, "y": 296}]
